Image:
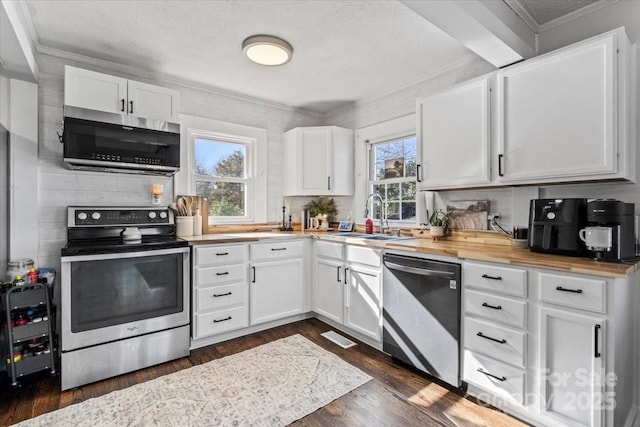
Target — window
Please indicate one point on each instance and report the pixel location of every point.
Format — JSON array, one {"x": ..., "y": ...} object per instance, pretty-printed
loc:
[{"x": 392, "y": 174}]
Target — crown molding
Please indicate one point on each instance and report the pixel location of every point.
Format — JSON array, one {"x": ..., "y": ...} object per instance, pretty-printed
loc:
[
  {"x": 523, "y": 14},
  {"x": 576, "y": 14},
  {"x": 102, "y": 65}
]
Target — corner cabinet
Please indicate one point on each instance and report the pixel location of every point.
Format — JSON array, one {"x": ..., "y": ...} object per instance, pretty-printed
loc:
[
  {"x": 347, "y": 288},
  {"x": 318, "y": 161},
  {"x": 111, "y": 94},
  {"x": 567, "y": 115},
  {"x": 458, "y": 117}
]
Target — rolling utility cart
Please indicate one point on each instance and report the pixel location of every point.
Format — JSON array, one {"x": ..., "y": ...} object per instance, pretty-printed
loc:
[{"x": 29, "y": 341}]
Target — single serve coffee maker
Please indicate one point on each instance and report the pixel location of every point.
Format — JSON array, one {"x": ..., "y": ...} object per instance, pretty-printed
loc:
[{"x": 610, "y": 233}]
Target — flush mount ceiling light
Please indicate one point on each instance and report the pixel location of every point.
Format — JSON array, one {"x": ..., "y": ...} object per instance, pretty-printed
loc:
[{"x": 267, "y": 50}]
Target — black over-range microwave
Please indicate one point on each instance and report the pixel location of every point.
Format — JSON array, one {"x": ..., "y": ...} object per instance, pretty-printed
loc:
[{"x": 113, "y": 147}]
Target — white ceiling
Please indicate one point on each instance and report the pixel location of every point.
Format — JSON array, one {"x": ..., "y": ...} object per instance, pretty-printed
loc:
[{"x": 343, "y": 50}]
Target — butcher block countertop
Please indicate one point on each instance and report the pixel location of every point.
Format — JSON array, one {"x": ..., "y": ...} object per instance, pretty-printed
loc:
[{"x": 469, "y": 245}]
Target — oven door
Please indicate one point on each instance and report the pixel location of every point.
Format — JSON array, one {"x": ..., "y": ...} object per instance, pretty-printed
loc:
[{"x": 108, "y": 297}]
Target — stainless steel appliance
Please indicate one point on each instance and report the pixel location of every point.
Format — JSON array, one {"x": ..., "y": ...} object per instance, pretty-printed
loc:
[
  {"x": 115, "y": 147},
  {"x": 421, "y": 314},
  {"x": 124, "y": 302},
  {"x": 554, "y": 225},
  {"x": 615, "y": 222}
]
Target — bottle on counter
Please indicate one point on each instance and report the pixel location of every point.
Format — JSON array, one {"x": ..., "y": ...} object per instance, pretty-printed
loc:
[
  {"x": 18, "y": 281},
  {"x": 368, "y": 226},
  {"x": 33, "y": 276}
]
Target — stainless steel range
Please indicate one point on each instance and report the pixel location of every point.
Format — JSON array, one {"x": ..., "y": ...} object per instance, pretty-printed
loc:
[{"x": 125, "y": 292}]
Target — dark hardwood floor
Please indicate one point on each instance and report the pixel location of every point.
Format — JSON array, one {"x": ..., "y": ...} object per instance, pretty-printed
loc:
[{"x": 397, "y": 396}]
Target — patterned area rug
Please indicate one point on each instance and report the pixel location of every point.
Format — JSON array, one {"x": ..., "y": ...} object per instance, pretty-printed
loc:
[{"x": 273, "y": 384}]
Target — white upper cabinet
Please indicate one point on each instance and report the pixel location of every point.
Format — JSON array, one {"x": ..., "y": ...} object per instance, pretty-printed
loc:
[
  {"x": 454, "y": 133},
  {"x": 564, "y": 116},
  {"x": 102, "y": 92},
  {"x": 318, "y": 161}
]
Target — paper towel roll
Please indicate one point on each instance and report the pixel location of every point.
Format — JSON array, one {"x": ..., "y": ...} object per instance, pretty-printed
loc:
[{"x": 428, "y": 202}]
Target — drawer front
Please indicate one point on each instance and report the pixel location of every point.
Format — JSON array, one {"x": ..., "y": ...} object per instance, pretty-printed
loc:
[
  {"x": 216, "y": 255},
  {"x": 208, "y": 276},
  {"x": 362, "y": 255},
  {"x": 497, "y": 378},
  {"x": 329, "y": 249},
  {"x": 510, "y": 281},
  {"x": 576, "y": 292},
  {"x": 493, "y": 307},
  {"x": 268, "y": 251},
  {"x": 221, "y": 321},
  {"x": 492, "y": 340},
  {"x": 223, "y": 296}
]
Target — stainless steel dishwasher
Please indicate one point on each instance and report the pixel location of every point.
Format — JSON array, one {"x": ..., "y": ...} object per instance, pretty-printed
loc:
[{"x": 421, "y": 326}]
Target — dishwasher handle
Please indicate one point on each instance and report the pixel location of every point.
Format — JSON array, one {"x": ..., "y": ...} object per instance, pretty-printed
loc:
[{"x": 417, "y": 270}]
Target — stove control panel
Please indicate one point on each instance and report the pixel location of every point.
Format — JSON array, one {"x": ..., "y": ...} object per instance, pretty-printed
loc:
[{"x": 109, "y": 217}]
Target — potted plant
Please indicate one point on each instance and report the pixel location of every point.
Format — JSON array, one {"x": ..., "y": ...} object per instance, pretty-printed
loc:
[
  {"x": 440, "y": 224},
  {"x": 322, "y": 207}
]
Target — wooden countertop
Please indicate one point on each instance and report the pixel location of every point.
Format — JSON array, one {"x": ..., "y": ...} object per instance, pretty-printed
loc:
[{"x": 479, "y": 246}]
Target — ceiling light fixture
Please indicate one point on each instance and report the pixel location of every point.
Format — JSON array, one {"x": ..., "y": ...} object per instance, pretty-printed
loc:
[{"x": 267, "y": 50}]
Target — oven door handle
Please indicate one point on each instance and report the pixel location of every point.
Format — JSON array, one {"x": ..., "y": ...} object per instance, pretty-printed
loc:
[{"x": 121, "y": 255}]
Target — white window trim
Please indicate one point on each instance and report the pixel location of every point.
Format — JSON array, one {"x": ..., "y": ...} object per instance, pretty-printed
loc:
[
  {"x": 184, "y": 182},
  {"x": 385, "y": 131}
]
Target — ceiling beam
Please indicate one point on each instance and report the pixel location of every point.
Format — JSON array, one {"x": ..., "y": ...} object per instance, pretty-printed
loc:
[
  {"x": 489, "y": 28},
  {"x": 17, "y": 44}
]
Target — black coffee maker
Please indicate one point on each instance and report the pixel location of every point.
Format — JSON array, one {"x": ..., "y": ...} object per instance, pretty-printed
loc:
[
  {"x": 616, "y": 219},
  {"x": 554, "y": 225}
]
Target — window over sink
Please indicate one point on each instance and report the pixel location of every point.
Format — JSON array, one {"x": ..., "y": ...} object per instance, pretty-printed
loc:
[{"x": 392, "y": 174}]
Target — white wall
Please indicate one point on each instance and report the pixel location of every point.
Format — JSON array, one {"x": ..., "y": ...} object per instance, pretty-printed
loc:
[{"x": 60, "y": 187}]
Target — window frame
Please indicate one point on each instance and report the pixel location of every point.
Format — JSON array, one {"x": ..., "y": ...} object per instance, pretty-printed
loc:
[
  {"x": 183, "y": 183},
  {"x": 372, "y": 171},
  {"x": 248, "y": 180}
]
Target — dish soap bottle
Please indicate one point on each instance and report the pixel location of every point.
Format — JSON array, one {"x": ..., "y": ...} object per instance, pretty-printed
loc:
[{"x": 368, "y": 226}]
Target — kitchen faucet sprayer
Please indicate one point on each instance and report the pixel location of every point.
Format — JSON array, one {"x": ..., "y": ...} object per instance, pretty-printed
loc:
[{"x": 384, "y": 221}]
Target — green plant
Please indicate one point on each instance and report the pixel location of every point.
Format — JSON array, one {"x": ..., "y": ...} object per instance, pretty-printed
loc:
[
  {"x": 322, "y": 206},
  {"x": 440, "y": 219}
]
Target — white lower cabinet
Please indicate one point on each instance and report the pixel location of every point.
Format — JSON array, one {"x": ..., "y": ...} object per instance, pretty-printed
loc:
[
  {"x": 276, "y": 282},
  {"x": 275, "y": 290},
  {"x": 347, "y": 287},
  {"x": 572, "y": 366},
  {"x": 220, "y": 290},
  {"x": 553, "y": 348}
]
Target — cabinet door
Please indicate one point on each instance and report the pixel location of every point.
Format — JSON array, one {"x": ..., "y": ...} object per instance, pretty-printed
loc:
[
  {"x": 275, "y": 290},
  {"x": 572, "y": 354},
  {"x": 328, "y": 289},
  {"x": 95, "y": 91},
  {"x": 557, "y": 118},
  {"x": 363, "y": 308},
  {"x": 153, "y": 102},
  {"x": 454, "y": 133},
  {"x": 314, "y": 165}
]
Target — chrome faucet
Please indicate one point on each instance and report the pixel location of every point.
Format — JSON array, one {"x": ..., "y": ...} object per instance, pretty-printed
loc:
[{"x": 384, "y": 221}]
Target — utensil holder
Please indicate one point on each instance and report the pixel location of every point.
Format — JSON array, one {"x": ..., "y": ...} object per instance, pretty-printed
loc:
[{"x": 184, "y": 226}]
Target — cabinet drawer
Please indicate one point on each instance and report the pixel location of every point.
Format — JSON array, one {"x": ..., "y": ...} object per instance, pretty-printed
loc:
[
  {"x": 221, "y": 321},
  {"x": 218, "y": 297},
  {"x": 509, "y": 281},
  {"x": 493, "y": 307},
  {"x": 576, "y": 292},
  {"x": 208, "y": 276},
  {"x": 267, "y": 251},
  {"x": 329, "y": 250},
  {"x": 362, "y": 255},
  {"x": 500, "y": 343},
  {"x": 502, "y": 380},
  {"x": 216, "y": 255}
]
